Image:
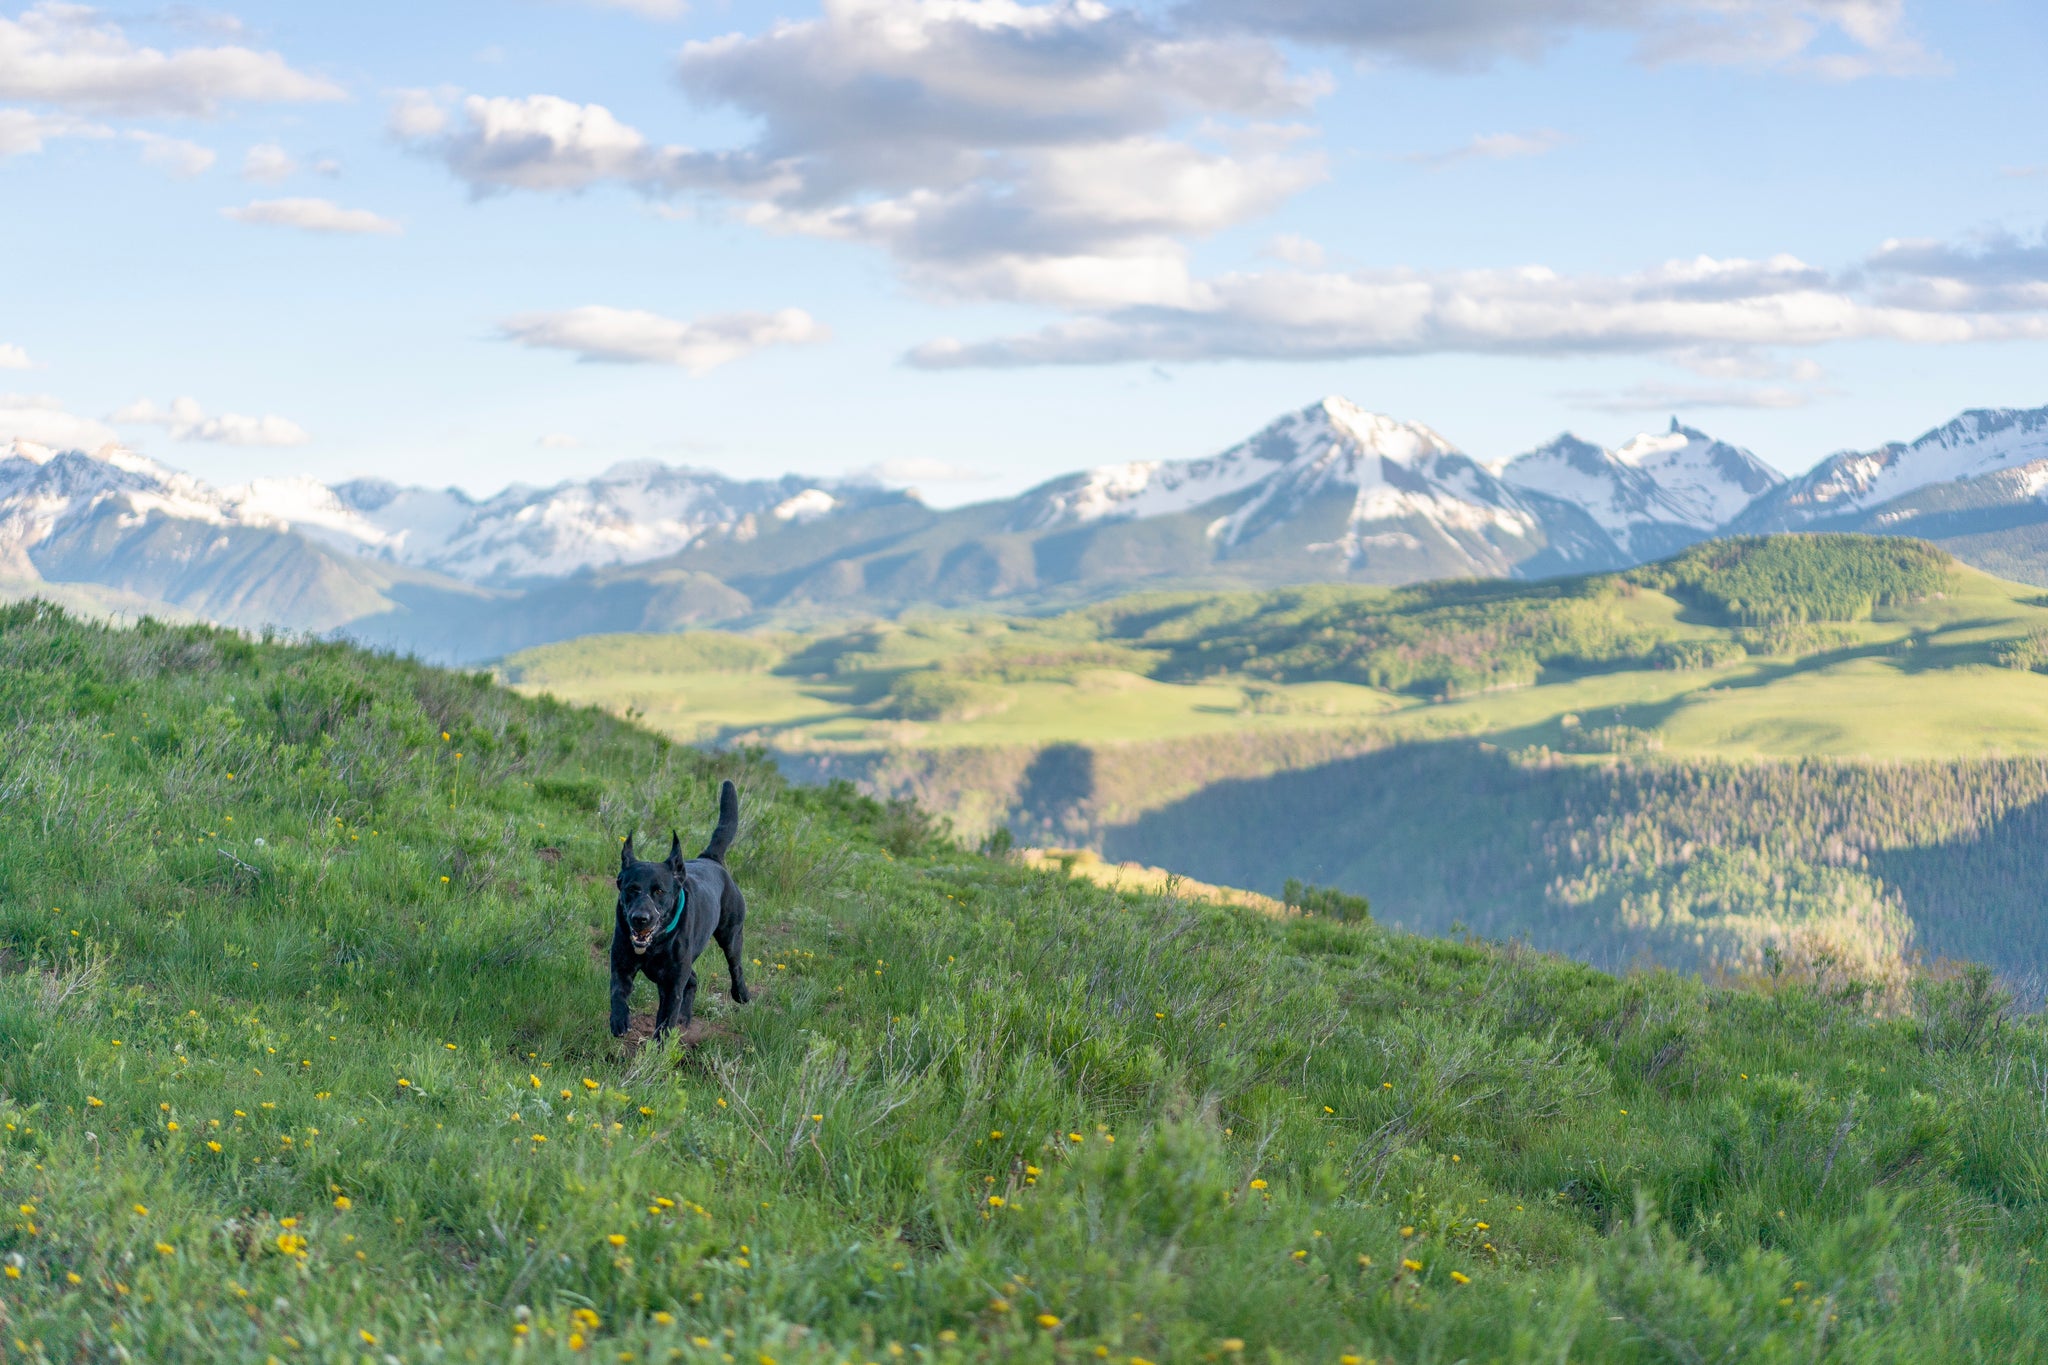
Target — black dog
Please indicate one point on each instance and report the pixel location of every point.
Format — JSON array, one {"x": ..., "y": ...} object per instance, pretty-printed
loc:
[{"x": 668, "y": 911}]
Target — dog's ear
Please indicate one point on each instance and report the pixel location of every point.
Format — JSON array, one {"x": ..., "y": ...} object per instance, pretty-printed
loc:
[
  {"x": 675, "y": 851},
  {"x": 626, "y": 854}
]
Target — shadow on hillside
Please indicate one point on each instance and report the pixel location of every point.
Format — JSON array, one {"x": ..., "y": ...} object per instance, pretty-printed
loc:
[{"x": 1550, "y": 852}]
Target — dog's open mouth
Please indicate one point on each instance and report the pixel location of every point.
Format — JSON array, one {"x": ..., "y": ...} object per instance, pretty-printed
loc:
[{"x": 641, "y": 938}]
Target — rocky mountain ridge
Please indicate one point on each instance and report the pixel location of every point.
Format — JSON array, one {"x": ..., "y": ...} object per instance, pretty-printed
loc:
[{"x": 1332, "y": 492}]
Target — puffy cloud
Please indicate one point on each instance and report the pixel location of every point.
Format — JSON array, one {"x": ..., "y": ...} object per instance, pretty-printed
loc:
[
  {"x": 43, "y": 420},
  {"x": 267, "y": 164},
  {"x": 173, "y": 155},
  {"x": 1056, "y": 152},
  {"x": 1681, "y": 306},
  {"x": 1999, "y": 272},
  {"x": 314, "y": 215},
  {"x": 900, "y": 94},
  {"x": 1493, "y": 147},
  {"x": 13, "y": 358},
  {"x": 67, "y": 55},
  {"x": 633, "y": 337},
  {"x": 23, "y": 131},
  {"x": 541, "y": 142},
  {"x": 1468, "y": 33},
  {"x": 187, "y": 421}
]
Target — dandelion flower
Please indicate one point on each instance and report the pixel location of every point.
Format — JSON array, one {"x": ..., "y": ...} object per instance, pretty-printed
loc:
[
  {"x": 589, "y": 1084},
  {"x": 141, "y": 1211},
  {"x": 165, "y": 1248},
  {"x": 212, "y": 1146},
  {"x": 1258, "y": 1184},
  {"x": 995, "y": 1201},
  {"x": 94, "y": 1102},
  {"x": 1301, "y": 1255},
  {"x": 1233, "y": 1345},
  {"x": 342, "y": 1202},
  {"x": 998, "y": 1305},
  {"x": 646, "y": 1112},
  {"x": 1408, "y": 1232},
  {"x": 1048, "y": 1321},
  {"x": 1461, "y": 1277},
  {"x": 617, "y": 1239},
  {"x": 1410, "y": 1265}
]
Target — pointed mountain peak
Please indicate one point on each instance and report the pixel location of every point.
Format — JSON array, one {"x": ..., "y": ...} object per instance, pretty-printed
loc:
[{"x": 1377, "y": 433}]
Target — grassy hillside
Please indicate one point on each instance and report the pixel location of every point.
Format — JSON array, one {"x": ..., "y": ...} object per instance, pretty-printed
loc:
[
  {"x": 304, "y": 1058},
  {"x": 1776, "y": 647}
]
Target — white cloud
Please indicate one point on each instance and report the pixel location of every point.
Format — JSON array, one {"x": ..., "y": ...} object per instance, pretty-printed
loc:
[
  {"x": 1056, "y": 152},
  {"x": 1493, "y": 147},
  {"x": 267, "y": 163},
  {"x": 13, "y": 358},
  {"x": 1833, "y": 39},
  {"x": 540, "y": 142},
  {"x": 172, "y": 155},
  {"x": 67, "y": 55},
  {"x": 630, "y": 336},
  {"x": 1997, "y": 271},
  {"x": 23, "y": 132},
  {"x": 42, "y": 419},
  {"x": 558, "y": 440},
  {"x": 187, "y": 421},
  {"x": 314, "y": 215},
  {"x": 1681, "y": 306}
]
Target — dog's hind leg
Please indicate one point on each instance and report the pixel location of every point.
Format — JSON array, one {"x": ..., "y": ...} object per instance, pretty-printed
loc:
[{"x": 730, "y": 933}]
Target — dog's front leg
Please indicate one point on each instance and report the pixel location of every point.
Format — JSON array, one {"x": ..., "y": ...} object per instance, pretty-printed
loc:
[
  {"x": 677, "y": 1006},
  {"x": 622, "y": 992}
]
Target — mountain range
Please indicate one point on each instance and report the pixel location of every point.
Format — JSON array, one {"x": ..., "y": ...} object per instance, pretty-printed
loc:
[{"x": 1330, "y": 493}]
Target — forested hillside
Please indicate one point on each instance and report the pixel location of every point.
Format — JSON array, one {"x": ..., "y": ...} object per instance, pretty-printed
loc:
[{"x": 301, "y": 992}]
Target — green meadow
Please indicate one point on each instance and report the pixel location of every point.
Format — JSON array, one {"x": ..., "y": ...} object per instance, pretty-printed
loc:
[
  {"x": 303, "y": 1057},
  {"x": 1908, "y": 669}
]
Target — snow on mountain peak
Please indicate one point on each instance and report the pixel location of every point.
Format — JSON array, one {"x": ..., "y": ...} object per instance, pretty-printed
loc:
[{"x": 1387, "y": 437}]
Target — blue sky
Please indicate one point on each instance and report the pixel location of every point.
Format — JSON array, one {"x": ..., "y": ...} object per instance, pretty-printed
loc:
[{"x": 974, "y": 243}]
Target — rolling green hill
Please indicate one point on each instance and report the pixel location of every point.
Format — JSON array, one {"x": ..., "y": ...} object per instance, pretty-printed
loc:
[
  {"x": 304, "y": 1059},
  {"x": 1832, "y": 743}
]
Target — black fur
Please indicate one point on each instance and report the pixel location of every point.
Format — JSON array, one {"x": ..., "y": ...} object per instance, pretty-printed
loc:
[{"x": 713, "y": 908}]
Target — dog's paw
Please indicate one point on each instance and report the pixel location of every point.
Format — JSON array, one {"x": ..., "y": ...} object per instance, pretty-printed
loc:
[
  {"x": 741, "y": 995},
  {"x": 619, "y": 1023}
]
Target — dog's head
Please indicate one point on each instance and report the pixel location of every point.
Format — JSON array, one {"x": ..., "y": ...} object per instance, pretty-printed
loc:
[{"x": 648, "y": 892}]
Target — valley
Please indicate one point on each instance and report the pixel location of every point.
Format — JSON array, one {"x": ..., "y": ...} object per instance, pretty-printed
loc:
[{"x": 1838, "y": 743}]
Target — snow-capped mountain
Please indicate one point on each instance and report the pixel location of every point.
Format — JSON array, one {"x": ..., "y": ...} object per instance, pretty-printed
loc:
[
  {"x": 1352, "y": 486},
  {"x": 630, "y": 514},
  {"x": 1845, "y": 486},
  {"x": 1331, "y": 492},
  {"x": 1655, "y": 494}
]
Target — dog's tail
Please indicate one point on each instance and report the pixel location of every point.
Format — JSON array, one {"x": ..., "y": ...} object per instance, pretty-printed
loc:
[{"x": 728, "y": 823}]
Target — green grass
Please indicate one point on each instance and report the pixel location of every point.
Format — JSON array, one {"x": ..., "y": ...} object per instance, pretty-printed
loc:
[
  {"x": 1869, "y": 648},
  {"x": 252, "y": 899}
]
